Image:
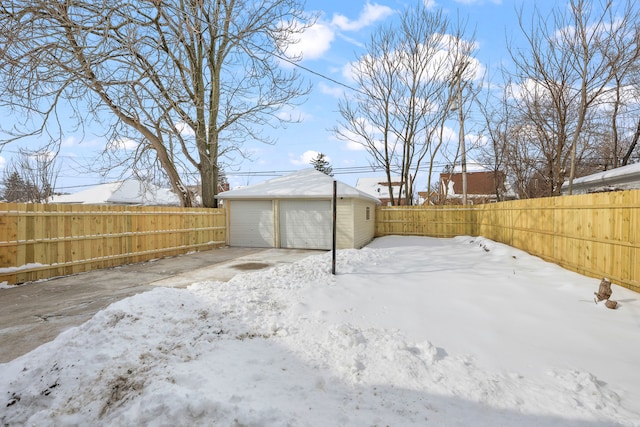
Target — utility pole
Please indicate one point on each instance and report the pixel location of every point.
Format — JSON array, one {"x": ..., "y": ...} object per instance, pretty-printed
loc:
[
  {"x": 458, "y": 106},
  {"x": 335, "y": 227},
  {"x": 463, "y": 149}
]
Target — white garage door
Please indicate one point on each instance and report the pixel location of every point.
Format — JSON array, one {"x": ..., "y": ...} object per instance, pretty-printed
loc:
[
  {"x": 251, "y": 223},
  {"x": 305, "y": 224}
]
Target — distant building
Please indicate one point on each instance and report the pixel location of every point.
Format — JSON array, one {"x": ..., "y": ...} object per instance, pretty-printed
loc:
[
  {"x": 622, "y": 178},
  {"x": 482, "y": 187},
  {"x": 128, "y": 192},
  {"x": 379, "y": 187}
]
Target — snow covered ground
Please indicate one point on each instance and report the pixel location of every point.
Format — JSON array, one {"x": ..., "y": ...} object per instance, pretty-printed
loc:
[{"x": 411, "y": 331}]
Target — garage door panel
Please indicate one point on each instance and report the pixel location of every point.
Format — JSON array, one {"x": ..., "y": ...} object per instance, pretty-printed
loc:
[
  {"x": 305, "y": 224},
  {"x": 251, "y": 223}
]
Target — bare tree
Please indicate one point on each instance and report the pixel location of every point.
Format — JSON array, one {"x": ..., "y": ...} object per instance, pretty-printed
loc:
[
  {"x": 403, "y": 93},
  {"x": 632, "y": 146},
  {"x": 602, "y": 49},
  {"x": 31, "y": 176},
  {"x": 573, "y": 56},
  {"x": 621, "y": 105},
  {"x": 464, "y": 95},
  {"x": 187, "y": 80},
  {"x": 496, "y": 117}
]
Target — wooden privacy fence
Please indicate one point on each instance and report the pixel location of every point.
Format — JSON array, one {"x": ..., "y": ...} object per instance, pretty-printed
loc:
[
  {"x": 432, "y": 221},
  {"x": 597, "y": 235},
  {"x": 39, "y": 241}
]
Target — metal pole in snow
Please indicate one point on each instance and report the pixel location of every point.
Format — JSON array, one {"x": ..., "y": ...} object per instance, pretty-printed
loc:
[{"x": 333, "y": 245}]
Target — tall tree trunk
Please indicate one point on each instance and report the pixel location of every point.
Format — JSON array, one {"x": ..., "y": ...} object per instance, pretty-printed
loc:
[
  {"x": 632, "y": 147},
  {"x": 209, "y": 175}
]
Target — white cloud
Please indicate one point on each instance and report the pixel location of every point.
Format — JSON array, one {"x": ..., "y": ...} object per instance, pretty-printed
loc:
[
  {"x": 305, "y": 158},
  {"x": 369, "y": 15},
  {"x": 70, "y": 141},
  {"x": 441, "y": 56},
  {"x": 123, "y": 144},
  {"x": 449, "y": 134},
  {"x": 629, "y": 97},
  {"x": 293, "y": 115},
  {"x": 477, "y": 141},
  {"x": 355, "y": 146},
  {"x": 528, "y": 89},
  {"x": 475, "y": 2},
  {"x": 312, "y": 43},
  {"x": 351, "y": 40},
  {"x": 349, "y": 71},
  {"x": 2, "y": 162},
  {"x": 335, "y": 91},
  {"x": 430, "y": 4},
  {"x": 184, "y": 129},
  {"x": 356, "y": 142}
]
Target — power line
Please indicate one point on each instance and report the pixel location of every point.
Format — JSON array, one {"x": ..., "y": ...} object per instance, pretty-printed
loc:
[
  {"x": 349, "y": 170},
  {"x": 309, "y": 70}
]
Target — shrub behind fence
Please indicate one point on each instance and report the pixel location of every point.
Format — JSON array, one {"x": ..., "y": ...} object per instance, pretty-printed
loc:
[
  {"x": 39, "y": 241},
  {"x": 597, "y": 235}
]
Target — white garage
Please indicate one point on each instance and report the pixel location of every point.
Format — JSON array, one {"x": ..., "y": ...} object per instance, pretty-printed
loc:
[{"x": 295, "y": 211}]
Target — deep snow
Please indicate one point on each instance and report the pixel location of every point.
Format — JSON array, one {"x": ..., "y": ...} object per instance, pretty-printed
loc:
[{"x": 411, "y": 331}]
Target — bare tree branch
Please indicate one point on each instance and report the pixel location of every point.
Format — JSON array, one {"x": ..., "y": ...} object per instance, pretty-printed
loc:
[
  {"x": 188, "y": 80},
  {"x": 403, "y": 95}
]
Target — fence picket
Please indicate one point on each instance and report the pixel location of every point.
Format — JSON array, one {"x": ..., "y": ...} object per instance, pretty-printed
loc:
[{"x": 39, "y": 241}]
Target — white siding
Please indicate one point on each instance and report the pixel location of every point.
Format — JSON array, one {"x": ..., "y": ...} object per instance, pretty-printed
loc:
[
  {"x": 363, "y": 229},
  {"x": 251, "y": 223},
  {"x": 344, "y": 233}
]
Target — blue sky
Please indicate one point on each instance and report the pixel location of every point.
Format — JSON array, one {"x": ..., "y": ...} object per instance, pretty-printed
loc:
[
  {"x": 343, "y": 29},
  {"x": 339, "y": 35}
]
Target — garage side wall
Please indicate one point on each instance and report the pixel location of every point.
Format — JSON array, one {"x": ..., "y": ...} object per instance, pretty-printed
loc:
[
  {"x": 344, "y": 222},
  {"x": 364, "y": 222},
  {"x": 356, "y": 227}
]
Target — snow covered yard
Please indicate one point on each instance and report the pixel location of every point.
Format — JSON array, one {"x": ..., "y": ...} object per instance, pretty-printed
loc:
[{"x": 411, "y": 331}]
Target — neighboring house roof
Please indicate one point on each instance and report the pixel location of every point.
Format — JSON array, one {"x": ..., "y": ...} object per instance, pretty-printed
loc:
[
  {"x": 306, "y": 183},
  {"x": 379, "y": 186},
  {"x": 622, "y": 178},
  {"x": 129, "y": 192}
]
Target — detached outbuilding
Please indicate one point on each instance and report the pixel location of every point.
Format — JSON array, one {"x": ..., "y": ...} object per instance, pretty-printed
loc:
[
  {"x": 129, "y": 192},
  {"x": 295, "y": 211},
  {"x": 622, "y": 178}
]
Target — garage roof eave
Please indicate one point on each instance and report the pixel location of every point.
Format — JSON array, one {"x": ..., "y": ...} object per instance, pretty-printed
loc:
[
  {"x": 305, "y": 184},
  {"x": 294, "y": 196}
]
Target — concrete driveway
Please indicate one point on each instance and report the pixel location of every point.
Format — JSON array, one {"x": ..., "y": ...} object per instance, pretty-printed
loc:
[{"x": 35, "y": 313}]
